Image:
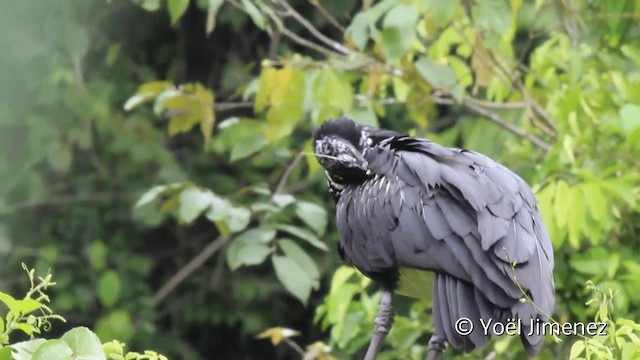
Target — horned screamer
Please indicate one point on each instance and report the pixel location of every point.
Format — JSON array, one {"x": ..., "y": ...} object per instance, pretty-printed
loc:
[{"x": 407, "y": 206}]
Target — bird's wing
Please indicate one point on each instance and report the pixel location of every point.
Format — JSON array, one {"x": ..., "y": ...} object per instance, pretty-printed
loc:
[{"x": 460, "y": 214}]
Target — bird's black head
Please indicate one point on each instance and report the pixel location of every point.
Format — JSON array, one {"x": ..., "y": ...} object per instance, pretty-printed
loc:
[{"x": 340, "y": 145}]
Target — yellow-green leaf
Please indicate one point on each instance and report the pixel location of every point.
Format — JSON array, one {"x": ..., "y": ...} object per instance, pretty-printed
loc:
[
  {"x": 177, "y": 9},
  {"x": 562, "y": 203}
]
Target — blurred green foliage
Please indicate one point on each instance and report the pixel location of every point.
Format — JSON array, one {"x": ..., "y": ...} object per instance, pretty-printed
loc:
[{"x": 155, "y": 156}]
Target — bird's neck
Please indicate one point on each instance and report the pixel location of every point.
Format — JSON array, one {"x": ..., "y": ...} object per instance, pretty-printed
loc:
[{"x": 338, "y": 180}]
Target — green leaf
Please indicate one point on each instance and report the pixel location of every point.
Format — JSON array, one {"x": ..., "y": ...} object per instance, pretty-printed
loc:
[
  {"x": 98, "y": 255},
  {"x": 219, "y": 208},
  {"x": 85, "y": 344},
  {"x": 577, "y": 349},
  {"x": 117, "y": 324},
  {"x": 10, "y": 302},
  {"x": 439, "y": 75},
  {"x": 27, "y": 306},
  {"x": 315, "y": 216},
  {"x": 333, "y": 95},
  {"x": 248, "y": 146},
  {"x": 177, "y": 9},
  {"x": 256, "y": 236},
  {"x": 24, "y": 350},
  {"x": 300, "y": 257},
  {"x": 294, "y": 278},
  {"x": 53, "y": 350},
  {"x": 595, "y": 201},
  {"x": 147, "y": 92},
  {"x": 283, "y": 91},
  {"x": 109, "y": 288},
  {"x": 576, "y": 217},
  {"x": 212, "y": 11},
  {"x": 253, "y": 254},
  {"x": 630, "y": 117},
  {"x": 304, "y": 235},
  {"x": 562, "y": 203},
  {"x": 492, "y": 15},
  {"x": 237, "y": 219},
  {"x": 358, "y": 30},
  {"x": 193, "y": 201},
  {"x": 283, "y": 200},
  {"x": 398, "y": 31},
  {"x": 254, "y": 13},
  {"x": 594, "y": 261},
  {"x": 149, "y": 5}
]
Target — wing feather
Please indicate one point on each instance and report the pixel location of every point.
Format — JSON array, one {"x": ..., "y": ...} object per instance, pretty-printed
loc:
[{"x": 460, "y": 214}]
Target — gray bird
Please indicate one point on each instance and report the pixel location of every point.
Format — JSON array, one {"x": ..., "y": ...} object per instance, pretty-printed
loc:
[{"x": 407, "y": 206}]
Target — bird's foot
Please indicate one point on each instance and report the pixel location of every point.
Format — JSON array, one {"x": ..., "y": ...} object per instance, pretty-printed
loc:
[
  {"x": 436, "y": 347},
  {"x": 383, "y": 323}
]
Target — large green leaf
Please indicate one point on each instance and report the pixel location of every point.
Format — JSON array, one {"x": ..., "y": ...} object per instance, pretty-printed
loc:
[
  {"x": 84, "y": 343},
  {"x": 313, "y": 215},
  {"x": 562, "y": 203},
  {"x": 304, "y": 235},
  {"x": 440, "y": 76},
  {"x": 24, "y": 350},
  {"x": 256, "y": 239},
  {"x": 295, "y": 252},
  {"x": 53, "y": 350},
  {"x": 492, "y": 15},
  {"x": 193, "y": 201},
  {"x": 294, "y": 278},
  {"x": 398, "y": 31}
]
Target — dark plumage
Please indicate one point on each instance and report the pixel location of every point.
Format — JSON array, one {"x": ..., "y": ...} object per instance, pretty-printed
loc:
[{"x": 405, "y": 202}]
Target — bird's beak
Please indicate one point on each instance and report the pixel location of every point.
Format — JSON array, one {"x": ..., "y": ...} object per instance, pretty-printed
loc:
[{"x": 362, "y": 162}]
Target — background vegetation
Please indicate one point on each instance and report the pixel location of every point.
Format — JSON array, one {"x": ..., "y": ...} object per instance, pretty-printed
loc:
[{"x": 154, "y": 156}]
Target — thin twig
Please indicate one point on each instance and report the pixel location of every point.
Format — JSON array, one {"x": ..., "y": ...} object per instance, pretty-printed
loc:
[
  {"x": 516, "y": 83},
  {"x": 493, "y": 117},
  {"x": 309, "y": 44},
  {"x": 295, "y": 346},
  {"x": 186, "y": 270},
  {"x": 327, "y": 15},
  {"x": 288, "y": 171},
  {"x": 224, "y": 106},
  {"x": 315, "y": 32},
  {"x": 495, "y": 105}
]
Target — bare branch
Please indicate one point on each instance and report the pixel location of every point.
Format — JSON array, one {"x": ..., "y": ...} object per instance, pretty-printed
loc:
[
  {"x": 186, "y": 270},
  {"x": 287, "y": 172},
  {"x": 493, "y": 117},
  {"x": 315, "y": 32},
  {"x": 309, "y": 44},
  {"x": 224, "y": 106},
  {"x": 327, "y": 15}
]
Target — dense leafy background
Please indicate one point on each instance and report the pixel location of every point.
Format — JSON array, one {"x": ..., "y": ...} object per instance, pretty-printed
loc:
[{"x": 154, "y": 156}]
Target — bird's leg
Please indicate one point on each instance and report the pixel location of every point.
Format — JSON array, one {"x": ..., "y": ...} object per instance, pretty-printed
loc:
[
  {"x": 384, "y": 322},
  {"x": 436, "y": 347}
]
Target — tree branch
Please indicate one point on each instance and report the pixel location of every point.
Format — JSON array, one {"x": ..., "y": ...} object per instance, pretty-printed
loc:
[
  {"x": 327, "y": 15},
  {"x": 493, "y": 117},
  {"x": 315, "y": 32},
  {"x": 287, "y": 172},
  {"x": 186, "y": 270},
  {"x": 309, "y": 44},
  {"x": 224, "y": 106}
]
